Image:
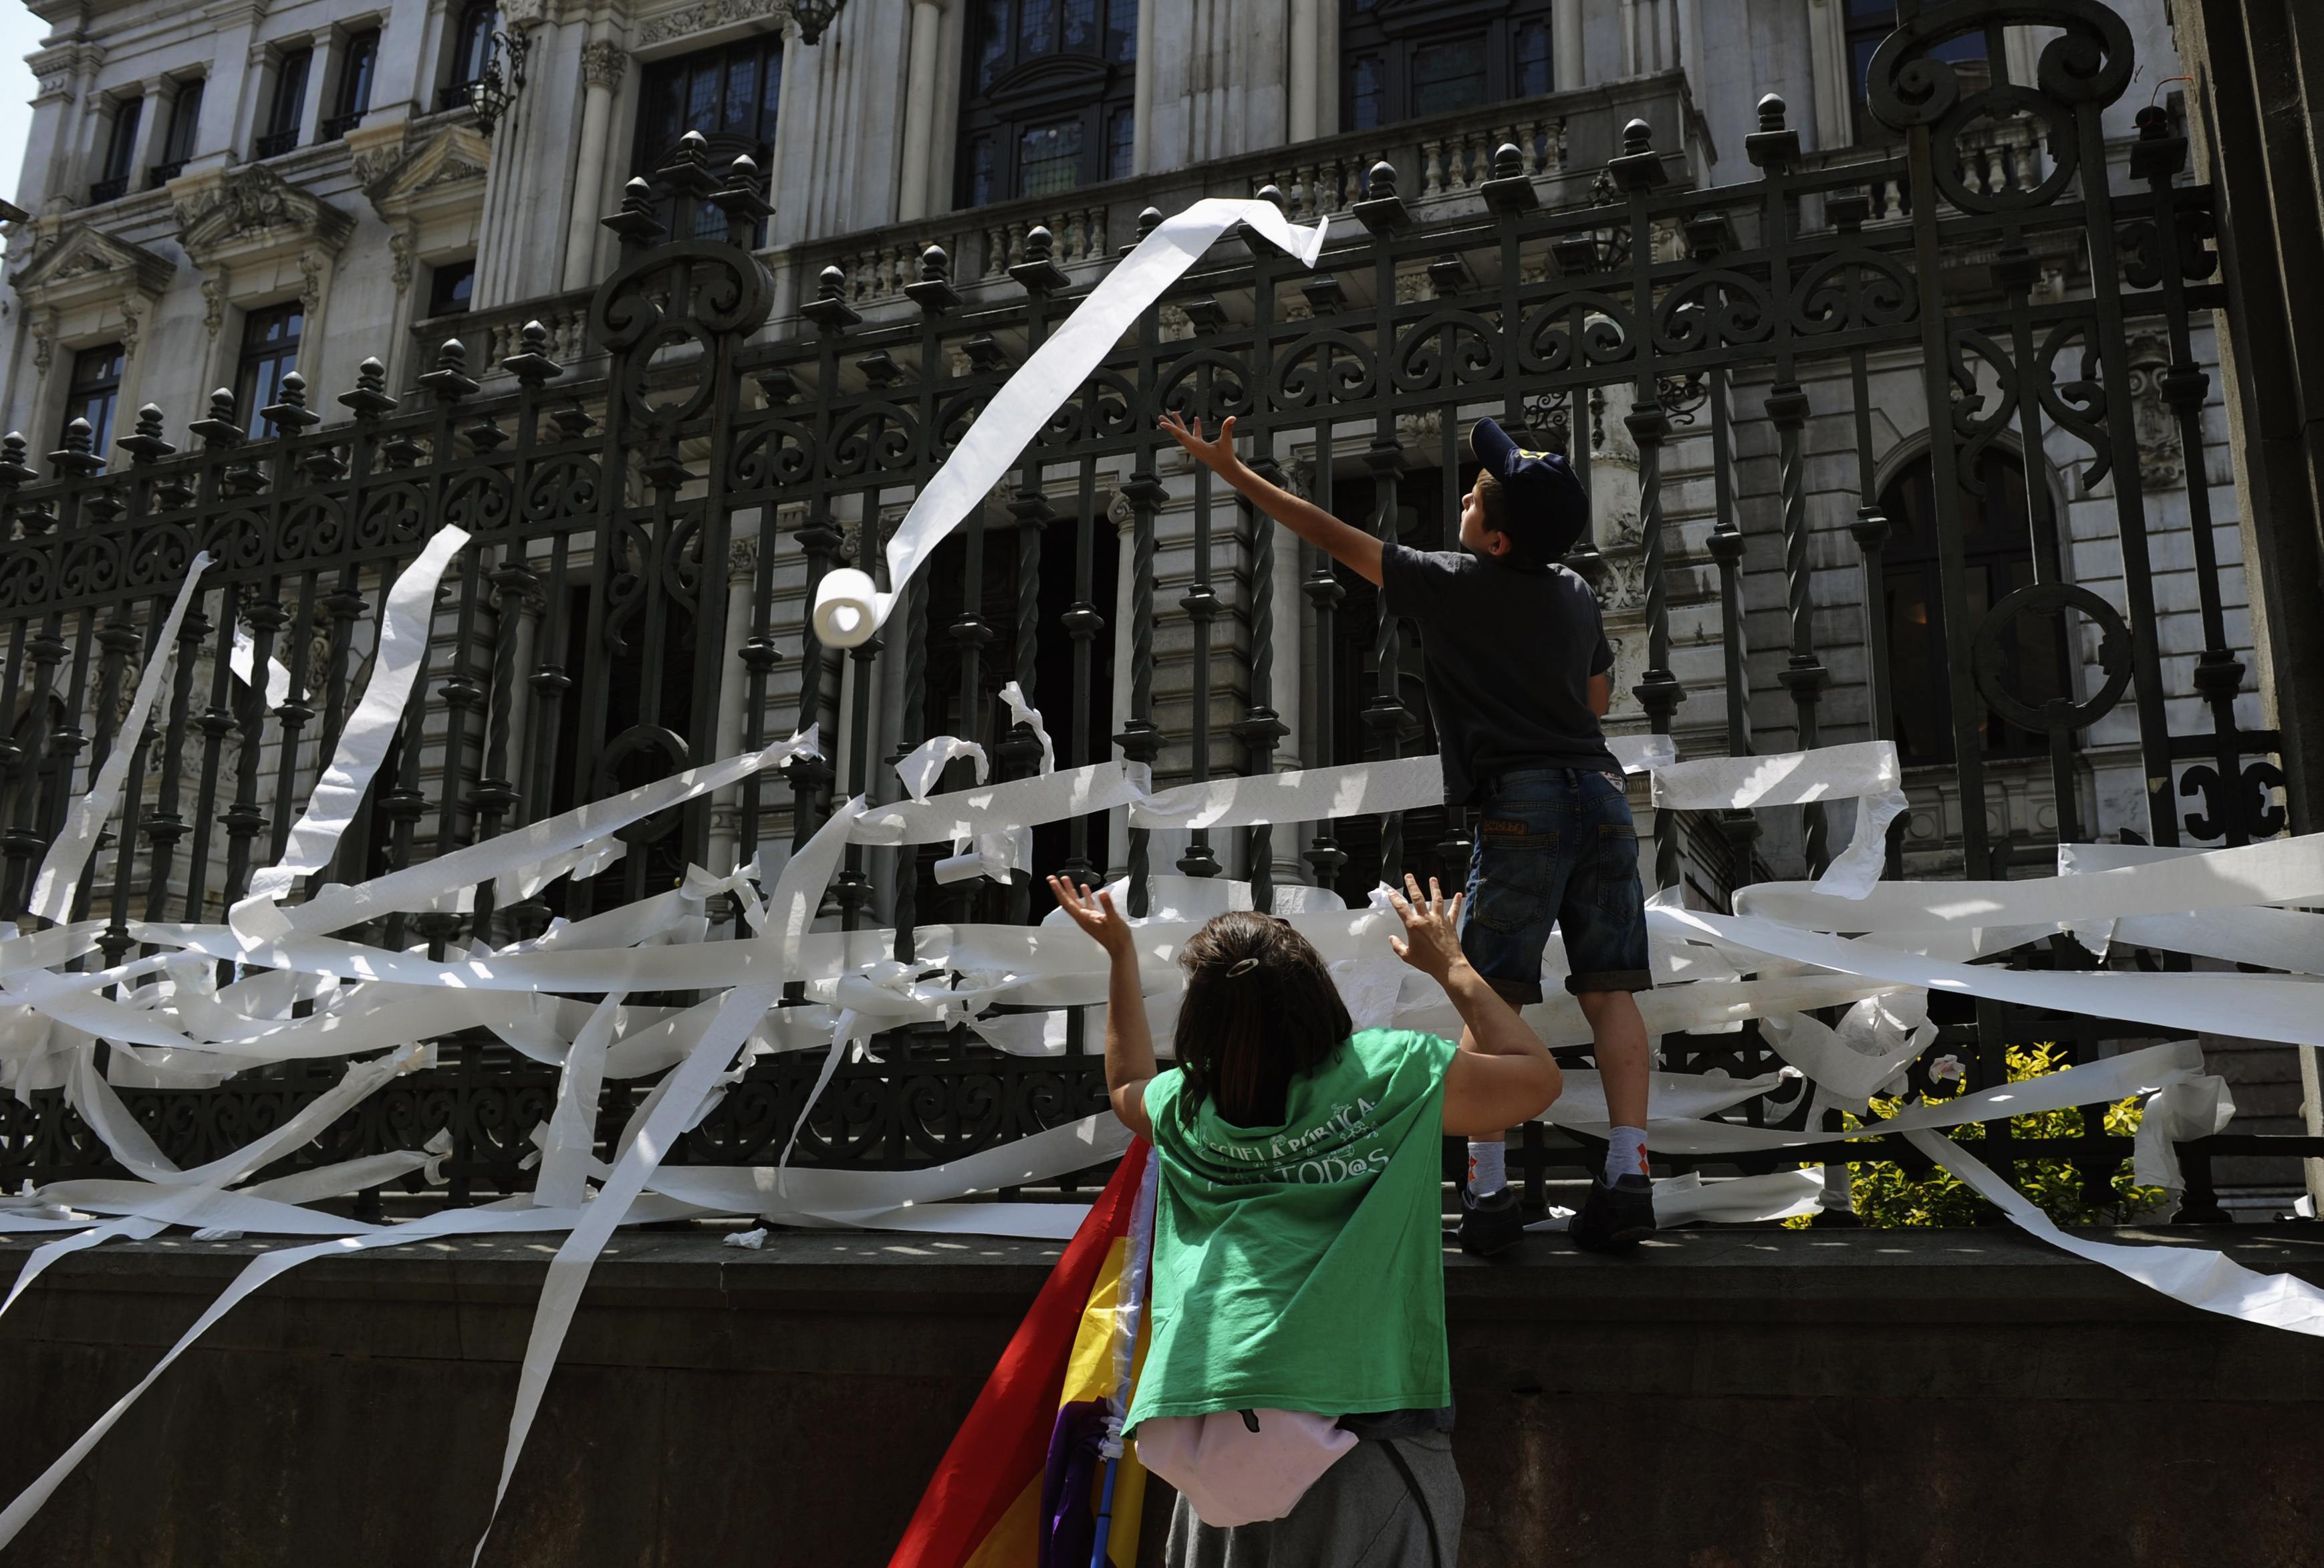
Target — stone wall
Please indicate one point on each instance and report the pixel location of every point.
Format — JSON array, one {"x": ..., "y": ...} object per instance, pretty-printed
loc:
[{"x": 1730, "y": 1399}]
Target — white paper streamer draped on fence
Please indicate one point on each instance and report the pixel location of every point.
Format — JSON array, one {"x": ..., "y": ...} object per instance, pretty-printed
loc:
[{"x": 1847, "y": 941}]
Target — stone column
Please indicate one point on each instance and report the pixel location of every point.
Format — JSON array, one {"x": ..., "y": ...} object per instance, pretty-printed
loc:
[
  {"x": 58, "y": 76},
  {"x": 1835, "y": 90},
  {"x": 399, "y": 90},
  {"x": 601, "y": 65},
  {"x": 325, "y": 44},
  {"x": 100, "y": 113},
  {"x": 520, "y": 242},
  {"x": 153, "y": 125},
  {"x": 1565, "y": 54},
  {"x": 913, "y": 198},
  {"x": 1306, "y": 65},
  {"x": 1142, "y": 114},
  {"x": 244, "y": 102}
]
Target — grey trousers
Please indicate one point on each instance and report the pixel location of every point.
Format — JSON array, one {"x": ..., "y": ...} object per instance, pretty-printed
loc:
[{"x": 1361, "y": 1514}]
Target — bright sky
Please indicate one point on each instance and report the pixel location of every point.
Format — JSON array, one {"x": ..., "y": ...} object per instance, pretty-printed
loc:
[{"x": 21, "y": 32}]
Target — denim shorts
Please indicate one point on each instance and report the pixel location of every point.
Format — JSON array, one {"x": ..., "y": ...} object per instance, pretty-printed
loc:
[{"x": 1555, "y": 845}]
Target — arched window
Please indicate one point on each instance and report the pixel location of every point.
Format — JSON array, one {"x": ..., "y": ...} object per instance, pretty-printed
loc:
[
  {"x": 471, "y": 50},
  {"x": 1050, "y": 99},
  {"x": 728, "y": 94},
  {"x": 1400, "y": 59},
  {"x": 1997, "y": 551}
]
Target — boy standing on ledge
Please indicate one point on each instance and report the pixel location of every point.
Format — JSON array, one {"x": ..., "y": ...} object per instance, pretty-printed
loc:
[{"x": 1519, "y": 674}]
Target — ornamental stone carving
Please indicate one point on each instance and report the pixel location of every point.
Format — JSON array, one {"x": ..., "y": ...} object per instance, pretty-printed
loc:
[
  {"x": 2162, "y": 457},
  {"x": 742, "y": 560},
  {"x": 251, "y": 213},
  {"x": 83, "y": 281},
  {"x": 214, "y": 295},
  {"x": 447, "y": 167},
  {"x": 602, "y": 63},
  {"x": 705, "y": 14},
  {"x": 75, "y": 263}
]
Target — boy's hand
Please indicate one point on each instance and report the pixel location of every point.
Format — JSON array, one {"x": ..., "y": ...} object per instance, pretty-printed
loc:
[
  {"x": 1218, "y": 455},
  {"x": 1431, "y": 942},
  {"x": 1094, "y": 913}
]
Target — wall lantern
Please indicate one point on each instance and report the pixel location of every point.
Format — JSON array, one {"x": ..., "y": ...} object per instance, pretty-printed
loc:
[
  {"x": 812, "y": 16},
  {"x": 492, "y": 95}
]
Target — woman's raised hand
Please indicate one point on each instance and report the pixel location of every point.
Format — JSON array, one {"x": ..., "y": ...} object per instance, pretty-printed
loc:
[
  {"x": 1095, "y": 914},
  {"x": 1431, "y": 942},
  {"x": 1217, "y": 455}
]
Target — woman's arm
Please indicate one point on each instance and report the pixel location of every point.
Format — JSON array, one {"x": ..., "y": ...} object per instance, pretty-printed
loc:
[
  {"x": 1502, "y": 1074},
  {"x": 1350, "y": 545},
  {"x": 1129, "y": 1043}
]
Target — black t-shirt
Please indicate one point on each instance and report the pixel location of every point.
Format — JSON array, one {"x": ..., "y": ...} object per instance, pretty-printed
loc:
[{"x": 1510, "y": 652}]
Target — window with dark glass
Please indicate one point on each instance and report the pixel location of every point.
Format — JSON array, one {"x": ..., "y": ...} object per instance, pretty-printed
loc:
[
  {"x": 118, "y": 152},
  {"x": 287, "y": 105},
  {"x": 471, "y": 52},
  {"x": 730, "y": 96},
  {"x": 1996, "y": 540},
  {"x": 95, "y": 392},
  {"x": 185, "y": 124},
  {"x": 449, "y": 287},
  {"x": 270, "y": 351},
  {"x": 1050, "y": 100},
  {"x": 1871, "y": 21},
  {"x": 1401, "y": 59},
  {"x": 360, "y": 65}
]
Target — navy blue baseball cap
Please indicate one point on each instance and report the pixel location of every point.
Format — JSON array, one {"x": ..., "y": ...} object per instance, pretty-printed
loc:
[{"x": 1548, "y": 508}]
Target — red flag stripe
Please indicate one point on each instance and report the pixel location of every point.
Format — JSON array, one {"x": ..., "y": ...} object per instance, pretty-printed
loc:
[{"x": 1005, "y": 1440}]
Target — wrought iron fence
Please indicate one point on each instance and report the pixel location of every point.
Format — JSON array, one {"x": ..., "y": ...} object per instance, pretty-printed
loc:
[{"x": 645, "y": 541}]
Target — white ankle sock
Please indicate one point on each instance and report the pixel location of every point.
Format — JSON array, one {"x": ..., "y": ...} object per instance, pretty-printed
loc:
[
  {"x": 1487, "y": 1167},
  {"x": 1625, "y": 1153}
]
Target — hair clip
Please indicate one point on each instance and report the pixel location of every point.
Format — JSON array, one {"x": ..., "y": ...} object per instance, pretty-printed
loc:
[{"x": 1244, "y": 967}]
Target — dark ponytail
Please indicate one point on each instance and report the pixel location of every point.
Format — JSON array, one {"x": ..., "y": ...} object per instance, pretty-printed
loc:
[{"x": 1261, "y": 1009}]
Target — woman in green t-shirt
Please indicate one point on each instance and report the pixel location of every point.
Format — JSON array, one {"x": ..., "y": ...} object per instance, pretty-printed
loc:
[{"x": 1299, "y": 1294}]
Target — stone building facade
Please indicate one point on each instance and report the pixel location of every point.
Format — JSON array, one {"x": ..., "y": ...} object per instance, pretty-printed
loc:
[{"x": 215, "y": 197}]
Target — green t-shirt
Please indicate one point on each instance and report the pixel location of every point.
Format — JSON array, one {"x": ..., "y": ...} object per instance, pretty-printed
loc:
[{"x": 1302, "y": 1267}]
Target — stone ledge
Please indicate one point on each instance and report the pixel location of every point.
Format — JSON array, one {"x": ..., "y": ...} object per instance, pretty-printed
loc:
[{"x": 1728, "y": 1397}]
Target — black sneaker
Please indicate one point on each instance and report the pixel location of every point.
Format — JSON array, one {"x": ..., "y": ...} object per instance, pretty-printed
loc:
[
  {"x": 1614, "y": 1218},
  {"x": 1489, "y": 1226}
]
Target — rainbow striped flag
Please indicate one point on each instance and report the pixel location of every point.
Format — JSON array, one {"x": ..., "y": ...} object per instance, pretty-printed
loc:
[{"x": 1038, "y": 1476}]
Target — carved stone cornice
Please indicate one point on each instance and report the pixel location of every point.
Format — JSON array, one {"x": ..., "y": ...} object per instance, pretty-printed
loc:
[
  {"x": 75, "y": 263},
  {"x": 250, "y": 213},
  {"x": 419, "y": 178},
  {"x": 703, "y": 15},
  {"x": 54, "y": 69}
]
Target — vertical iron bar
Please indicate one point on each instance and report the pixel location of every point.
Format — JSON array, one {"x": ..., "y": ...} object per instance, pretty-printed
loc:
[{"x": 2159, "y": 156}]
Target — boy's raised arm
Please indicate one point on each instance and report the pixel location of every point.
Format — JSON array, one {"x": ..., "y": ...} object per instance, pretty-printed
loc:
[{"x": 1352, "y": 547}]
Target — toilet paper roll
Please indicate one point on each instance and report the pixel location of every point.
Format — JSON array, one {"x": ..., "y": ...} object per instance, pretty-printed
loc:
[{"x": 848, "y": 607}]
